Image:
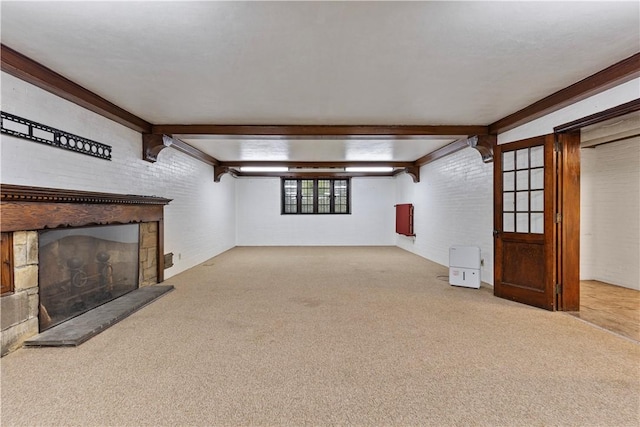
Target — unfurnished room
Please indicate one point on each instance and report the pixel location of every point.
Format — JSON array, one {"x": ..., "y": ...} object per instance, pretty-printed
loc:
[{"x": 238, "y": 213}]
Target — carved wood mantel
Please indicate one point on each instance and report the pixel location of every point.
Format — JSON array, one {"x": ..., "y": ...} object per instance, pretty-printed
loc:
[{"x": 25, "y": 208}]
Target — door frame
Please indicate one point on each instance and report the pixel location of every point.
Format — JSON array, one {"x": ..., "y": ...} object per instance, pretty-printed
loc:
[{"x": 568, "y": 202}]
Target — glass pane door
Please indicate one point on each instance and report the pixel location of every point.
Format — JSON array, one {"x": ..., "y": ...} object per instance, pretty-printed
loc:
[{"x": 523, "y": 190}]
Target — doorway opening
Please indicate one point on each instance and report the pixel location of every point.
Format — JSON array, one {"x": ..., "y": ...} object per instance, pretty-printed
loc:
[
  {"x": 610, "y": 235},
  {"x": 609, "y": 212}
]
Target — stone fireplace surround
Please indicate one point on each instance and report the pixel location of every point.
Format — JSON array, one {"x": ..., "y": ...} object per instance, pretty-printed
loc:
[{"x": 26, "y": 210}]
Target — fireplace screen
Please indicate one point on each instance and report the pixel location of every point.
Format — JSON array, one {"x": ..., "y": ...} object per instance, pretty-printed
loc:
[{"x": 82, "y": 268}]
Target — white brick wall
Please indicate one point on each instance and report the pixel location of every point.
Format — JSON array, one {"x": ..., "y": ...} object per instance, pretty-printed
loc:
[
  {"x": 610, "y": 213},
  {"x": 199, "y": 222},
  {"x": 588, "y": 161},
  {"x": 453, "y": 205},
  {"x": 260, "y": 223}
]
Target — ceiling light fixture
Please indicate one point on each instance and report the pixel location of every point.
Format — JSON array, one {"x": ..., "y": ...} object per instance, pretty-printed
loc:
[
  {"x": 264, "y": 169},
  {"x": 370, "y": 169}
]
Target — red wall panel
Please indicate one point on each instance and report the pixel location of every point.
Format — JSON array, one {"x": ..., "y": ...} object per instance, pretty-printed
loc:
[{"x": 404, "y": 219}]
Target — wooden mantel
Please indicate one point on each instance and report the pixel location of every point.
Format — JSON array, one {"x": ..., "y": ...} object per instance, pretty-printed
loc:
[{"x": 24, "y": 208}]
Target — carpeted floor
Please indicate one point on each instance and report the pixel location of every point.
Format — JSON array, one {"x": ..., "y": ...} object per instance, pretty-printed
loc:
[{"x": 329, "y": 336}]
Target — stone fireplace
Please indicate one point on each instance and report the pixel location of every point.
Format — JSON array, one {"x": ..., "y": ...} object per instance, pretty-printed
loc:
[{"x": 65, "y": 252}]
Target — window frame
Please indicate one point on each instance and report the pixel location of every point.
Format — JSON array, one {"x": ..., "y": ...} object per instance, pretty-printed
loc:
[{"x": 315, "y": 198}]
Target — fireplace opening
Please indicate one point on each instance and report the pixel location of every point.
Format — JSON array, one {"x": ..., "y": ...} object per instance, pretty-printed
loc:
[{"x": 82, "y": 268}]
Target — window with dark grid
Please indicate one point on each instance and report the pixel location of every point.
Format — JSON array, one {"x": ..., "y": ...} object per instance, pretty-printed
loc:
[{"x": 315, "y": 196}]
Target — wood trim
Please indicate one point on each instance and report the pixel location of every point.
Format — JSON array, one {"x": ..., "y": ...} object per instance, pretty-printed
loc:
[
  {"x": 152, "y": 145},
  {"x": 413, "y": 172},
  {"x": 569, "y": 227},
  {"x": 611, "y": 113},
  {"x": 618, "y": 73},
  {"x": 14, "y": 193},
  {"x": 189, "y": 150},
  {"x": 26, "y": 69},
  {"x": 219, "y": 171},
  {"x": 311, "y": 175},
  {"x": 160, "y": 254},
  {"x": 448, "y": 149},
  {"x": 19, "y": 216},
  {"x": 7, "y": 264},
  {"x": 327, "y": 131},
  {"x": 484, "y": 145},
  {"x": 292, "y": 164}
]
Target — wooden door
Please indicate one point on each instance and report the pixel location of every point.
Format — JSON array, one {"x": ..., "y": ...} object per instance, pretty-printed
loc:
[{"x": 524, "y": 222}]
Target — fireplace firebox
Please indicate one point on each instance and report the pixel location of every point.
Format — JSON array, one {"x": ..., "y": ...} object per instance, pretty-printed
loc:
[{"x": 82, "y": 268}]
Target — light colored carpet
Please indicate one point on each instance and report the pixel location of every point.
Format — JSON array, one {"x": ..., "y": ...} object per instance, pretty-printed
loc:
[{"x": 329, "y": 336}]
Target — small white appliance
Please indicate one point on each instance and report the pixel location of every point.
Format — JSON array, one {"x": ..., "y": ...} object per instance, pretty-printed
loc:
[{"x": 464, "y": 266}]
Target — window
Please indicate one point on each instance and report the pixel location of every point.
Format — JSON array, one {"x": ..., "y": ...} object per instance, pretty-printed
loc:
[{"x": 315, "y": 196}]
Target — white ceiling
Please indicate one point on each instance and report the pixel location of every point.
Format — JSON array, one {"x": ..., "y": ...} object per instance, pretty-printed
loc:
[
  {"x": 323, "y": 63},
  {"x": 325, "y": 150}
]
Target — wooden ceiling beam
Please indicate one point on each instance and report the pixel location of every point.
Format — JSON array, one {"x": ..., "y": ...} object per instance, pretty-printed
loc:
[
  {"x": 292, "y": 174},
  {"x": 448, "y": 149},
  {"x": 296, "y": 164},
  {"x": 621, "y": 72},
  {"x": 30, "y": 71},
  {"x": 153, "y": 144},
  {"x": 320, "y": 131}
]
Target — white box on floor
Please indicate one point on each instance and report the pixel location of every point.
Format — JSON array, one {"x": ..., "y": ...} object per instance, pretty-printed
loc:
[{"x": 464, "y": 266}]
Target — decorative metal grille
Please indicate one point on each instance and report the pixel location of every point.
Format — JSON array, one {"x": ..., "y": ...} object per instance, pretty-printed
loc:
[{"x": 27, "y": 129}]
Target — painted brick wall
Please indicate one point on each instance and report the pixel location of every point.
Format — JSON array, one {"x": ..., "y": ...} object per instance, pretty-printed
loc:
[
  {"x": 453, "y": 205},
  {"x": 588, "y": 161},
  {"x": 610, "y": 213},
  {"x": 260, "y": 223},
  {"x": 199, "y": 222}
]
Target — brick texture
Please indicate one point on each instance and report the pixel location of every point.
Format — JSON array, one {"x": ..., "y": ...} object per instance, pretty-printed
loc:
[
  {"x": 371, "y": 222},
  {"x": 609, "y": 213},
  {"x": 199, "y": 222},
  {"x": 453, "y": 205}
]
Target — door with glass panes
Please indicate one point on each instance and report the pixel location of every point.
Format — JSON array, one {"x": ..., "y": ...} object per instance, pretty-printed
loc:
[{"x": 524, "y": 226}]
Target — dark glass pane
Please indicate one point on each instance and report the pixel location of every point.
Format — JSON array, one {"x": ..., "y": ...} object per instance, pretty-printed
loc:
[
  {"x": 307, "y": 196},
  {"x": 324, "y": 196},
  {"x": 340, "y": 195},
  {"x": 290, "y": 196}
]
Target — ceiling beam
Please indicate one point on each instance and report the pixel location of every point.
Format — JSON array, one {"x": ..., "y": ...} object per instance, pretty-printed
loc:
[
  {"x": 292, "y": 174},
  {"x": 187, "y": 149},
  {"x": 320, "y": 131},
  {"x": 30, "y": 71},
  {"x": 621, "y": 72},
  {"x": 448, "y": 149},
  {"x": 153, "y": 144},
  {"x": 295, "y": 164}
]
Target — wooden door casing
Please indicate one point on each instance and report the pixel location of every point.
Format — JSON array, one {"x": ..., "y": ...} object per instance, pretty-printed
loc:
[{"x": 568, "y": 229}]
